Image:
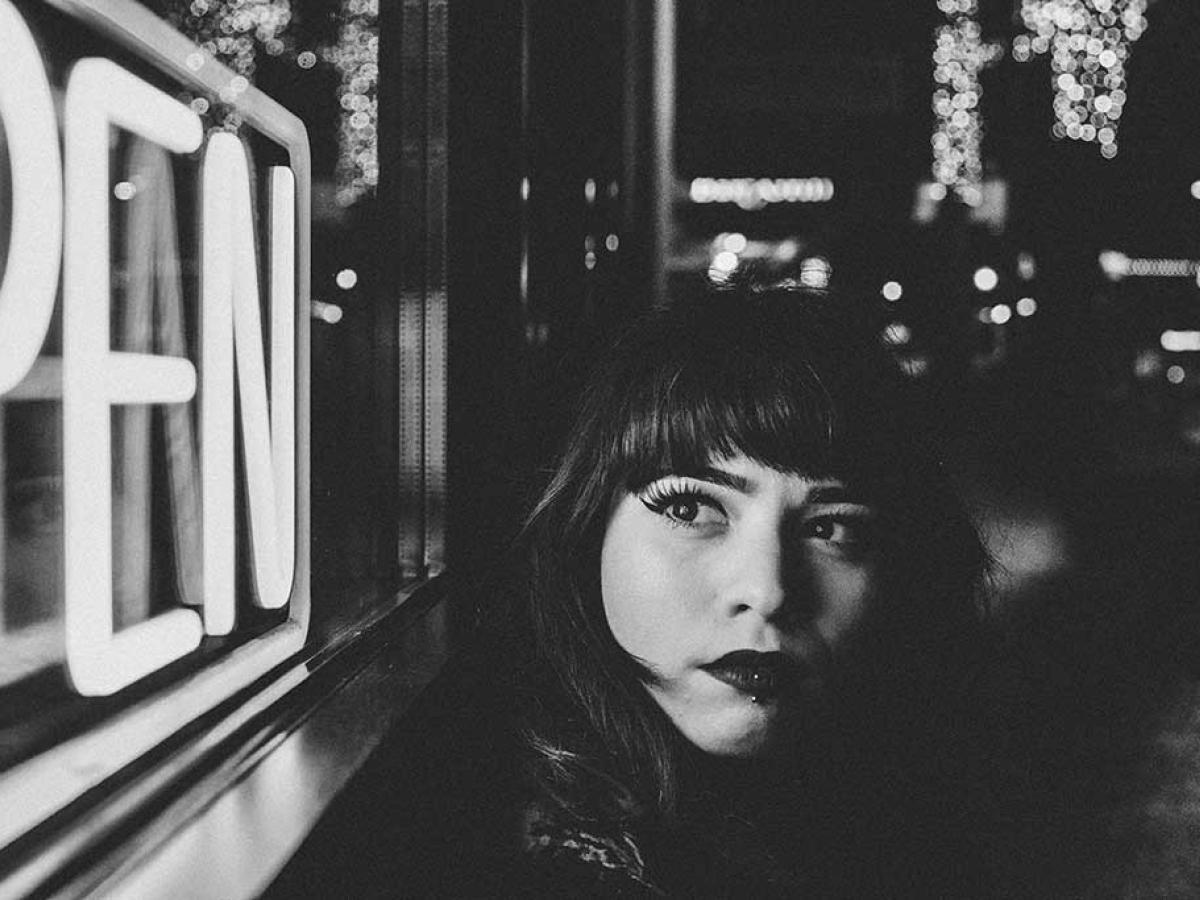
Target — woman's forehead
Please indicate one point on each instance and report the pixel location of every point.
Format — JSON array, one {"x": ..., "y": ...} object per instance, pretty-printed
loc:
[
  {"x": 747, "y": 475},
  {"x": 739, "y": 469}
]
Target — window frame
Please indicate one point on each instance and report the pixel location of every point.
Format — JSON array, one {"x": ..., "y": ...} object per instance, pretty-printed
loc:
[{"x": 34, "y": 790}]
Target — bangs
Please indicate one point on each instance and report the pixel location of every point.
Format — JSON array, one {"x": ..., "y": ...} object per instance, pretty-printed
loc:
[{"x": 697, "y": 407}]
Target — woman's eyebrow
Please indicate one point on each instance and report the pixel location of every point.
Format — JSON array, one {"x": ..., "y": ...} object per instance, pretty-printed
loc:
[
  {"x": 722, "y": 478},
  {"x": 833, "y": 493}
]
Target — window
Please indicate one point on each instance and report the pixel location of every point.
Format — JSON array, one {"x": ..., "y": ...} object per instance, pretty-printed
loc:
[{"x": 164, "y": 364}]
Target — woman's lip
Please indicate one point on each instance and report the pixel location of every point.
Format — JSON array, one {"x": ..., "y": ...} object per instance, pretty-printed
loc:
[{"x": 755, "y": 673}]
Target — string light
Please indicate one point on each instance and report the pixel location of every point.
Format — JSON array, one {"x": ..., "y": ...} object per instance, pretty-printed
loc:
[
  {"x": 233, "y": 31},
  {"x": 755, "y": 193},
  {"x": 355, "y": 55},
  {"x": 1089, "y": 43},
  {"x": 1116, "y": 265},
  {"x": 958, "y": 57}
]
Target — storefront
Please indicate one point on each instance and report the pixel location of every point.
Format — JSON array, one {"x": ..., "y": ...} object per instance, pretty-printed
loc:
[{"x": 222, "y": 343}]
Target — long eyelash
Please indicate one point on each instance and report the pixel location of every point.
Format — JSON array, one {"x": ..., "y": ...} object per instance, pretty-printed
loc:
[
  {"x": 661, "y": 494},
  {"x": 855, "y": 514}
]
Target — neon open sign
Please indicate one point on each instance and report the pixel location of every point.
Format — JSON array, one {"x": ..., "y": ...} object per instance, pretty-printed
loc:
[{"x": 60, "y": 217}]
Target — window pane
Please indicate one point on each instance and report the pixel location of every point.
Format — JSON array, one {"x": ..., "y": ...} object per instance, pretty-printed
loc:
[{"x": 109, "y": 581}]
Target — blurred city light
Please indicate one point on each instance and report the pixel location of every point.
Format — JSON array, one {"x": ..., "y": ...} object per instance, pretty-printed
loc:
[
  {"x": 1026, "y": 307},
  {"x": 1196, "y": 189},
  {"x": 1162, "y": 268},
  {"x": 986, "y": 278},
  {"x": 1088, "y": 50},
  {"x": 589, "y": 190},
  {"x": 1026, "y": 266},
  {"x": 985, "y": 315},
  {"x": 1114, "y": 264},
  {"x": 787, "y": 250},
  {"x": 1117, "y": 265},
  {"x": 1180, "y": 341},
  {"x": 897, "y": 334},
  {"x": 815, "y": 272},
  {"x": 1176, "y": 375},
  {"x": 329, "y": 313},
  {"x": 1001, "y": 313},
  {"x": 960, "y": 55},
  {"x": 755, "y": 193},
  {"x": 346, "y": 279},
  {"x": 124, "y": 190},
  {"x": 892, "y": 291},
  {"x": 725, "y": 261},
  {"x": 1147, "y": 364},
  {"x": 734, "y": 243},
  {"x": 926, "y": 201}
]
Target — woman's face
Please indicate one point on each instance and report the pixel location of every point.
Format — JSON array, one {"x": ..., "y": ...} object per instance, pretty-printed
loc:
[{"x": 737, "y": 585}]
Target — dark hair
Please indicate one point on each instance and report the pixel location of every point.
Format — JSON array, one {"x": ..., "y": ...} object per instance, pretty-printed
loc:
[{"x": 793, "y": 378}]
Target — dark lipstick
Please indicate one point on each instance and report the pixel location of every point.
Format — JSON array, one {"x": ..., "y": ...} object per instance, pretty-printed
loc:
[{"x": 761, "y": 675}]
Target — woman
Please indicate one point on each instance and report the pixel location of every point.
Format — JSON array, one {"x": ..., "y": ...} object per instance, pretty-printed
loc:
[{"x": 742, "y": 660}]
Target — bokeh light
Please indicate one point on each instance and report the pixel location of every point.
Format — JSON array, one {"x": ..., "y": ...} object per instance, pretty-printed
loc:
[
  {"x": 815, "y": 272},
  {"x": 755, "y": 193},
  {"x": 1026, "y": 266},
  {"x": 329, "y": 313},
  {"x": 725, "y": 261},
  {"x": 1089, "y": 45},
  {"x": 897, "y": 334},
  {"x": 1180, "y": 341},
  {"x": 959, "y": 55},
  {"x": 734, "y": 243},
  {"x": 355, "y": 55},
  {"x": 986, "y": 279}
]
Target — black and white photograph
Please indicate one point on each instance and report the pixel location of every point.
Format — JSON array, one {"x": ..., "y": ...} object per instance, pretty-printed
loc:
[{"x": 628, "y": 448}]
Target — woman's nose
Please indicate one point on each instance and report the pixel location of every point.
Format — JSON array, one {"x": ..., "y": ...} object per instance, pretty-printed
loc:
[{"x": 756, "y": 575}]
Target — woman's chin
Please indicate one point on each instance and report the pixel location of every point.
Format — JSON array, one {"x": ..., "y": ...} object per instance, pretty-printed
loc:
[{"x": 751, "y": 731}]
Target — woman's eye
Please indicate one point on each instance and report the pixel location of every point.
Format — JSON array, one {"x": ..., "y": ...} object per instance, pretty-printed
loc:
[
  {"x": 828, "y": 530},
  {"x": 838, "y": 530},
  {"x": 691, "y": 510},
  {"x": 685, "y": 509}
]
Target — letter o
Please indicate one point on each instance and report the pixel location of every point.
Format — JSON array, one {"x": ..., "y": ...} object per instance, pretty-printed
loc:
[{"x": 30, "y": 278}]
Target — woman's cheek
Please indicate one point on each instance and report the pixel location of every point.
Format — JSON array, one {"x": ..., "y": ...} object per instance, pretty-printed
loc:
[
  {"x": 639, "y": 602},
  {"x": 851, "y": 595},
  {"x": 644, "y": 585}
]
